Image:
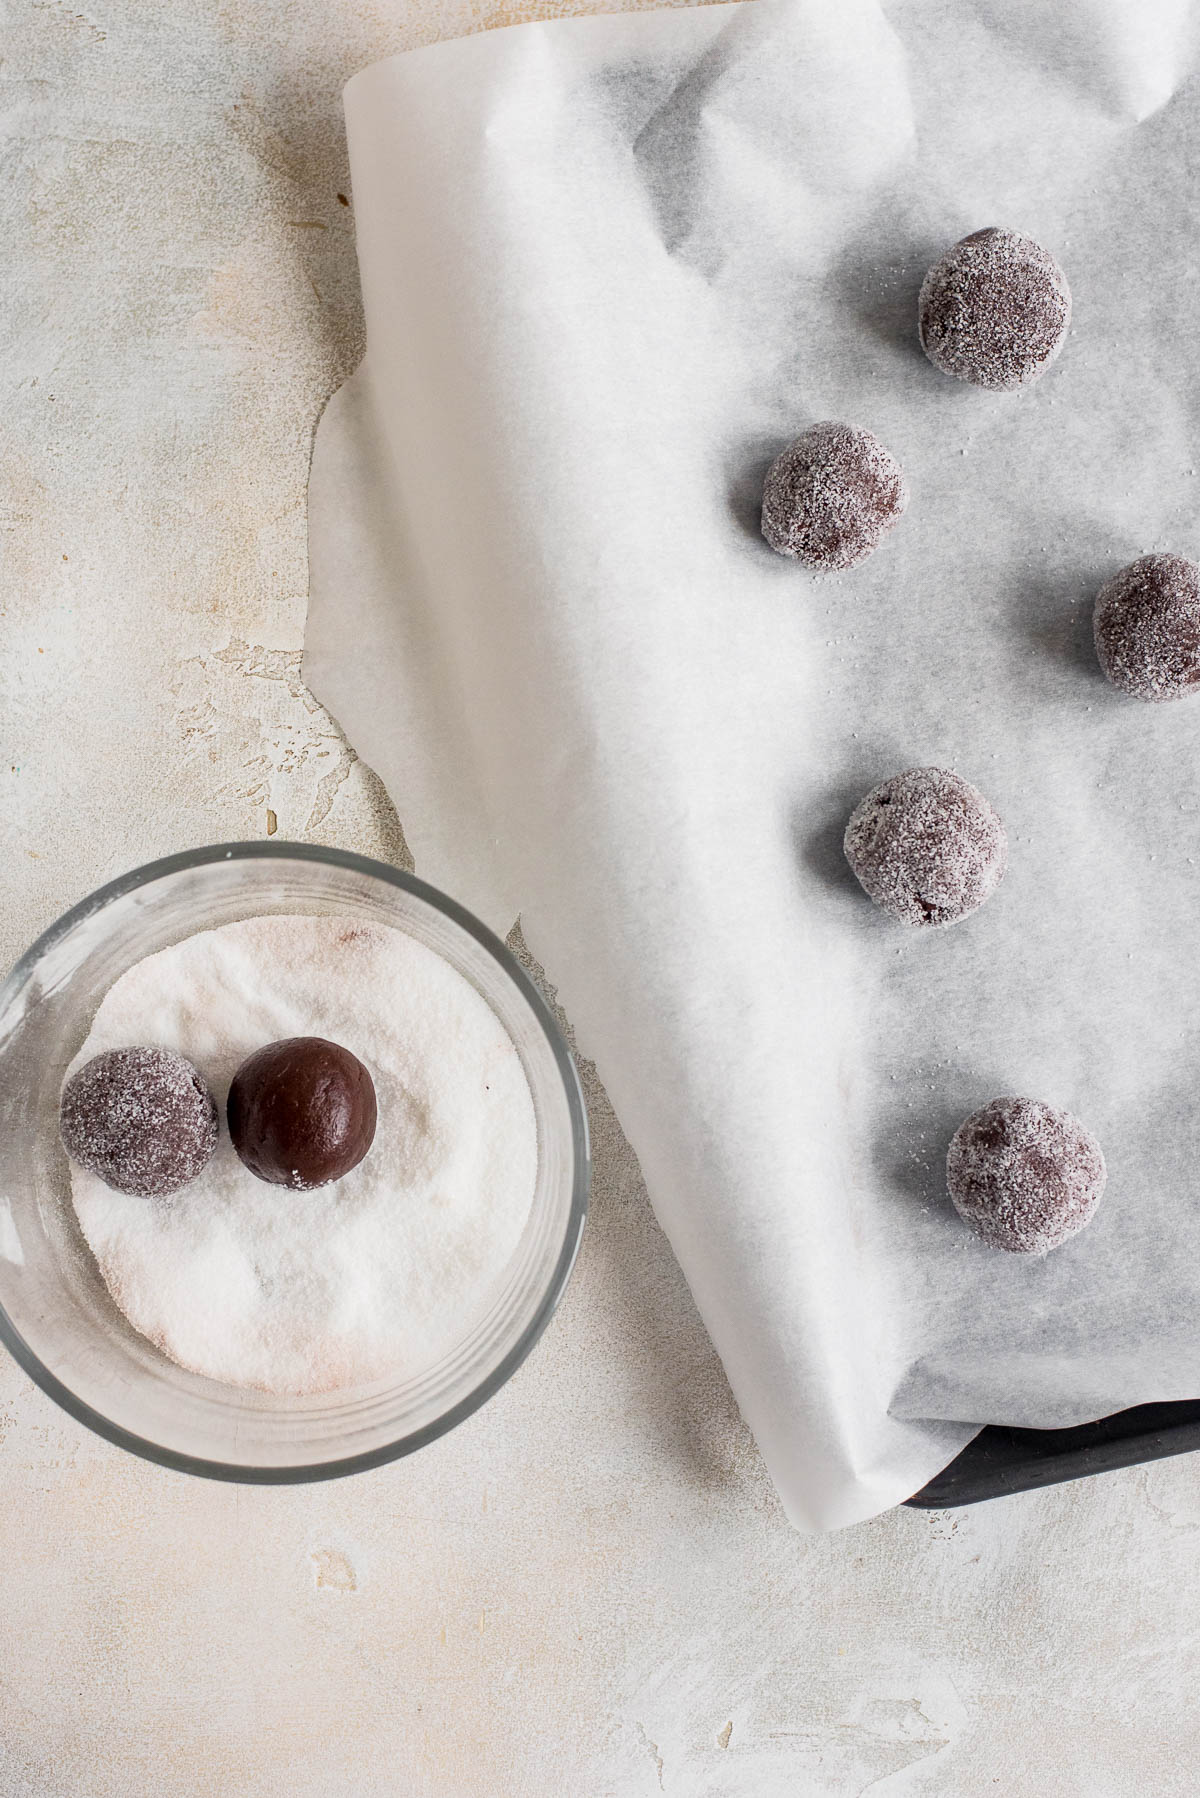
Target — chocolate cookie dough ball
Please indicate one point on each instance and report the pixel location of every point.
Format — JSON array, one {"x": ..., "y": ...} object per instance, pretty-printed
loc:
[
  {"x": 926, "y": 846},
  {"x": 302, "y": 1112},
  {"x": 1147, "y": 627},
  {"x": 143, "y": 1119},
  {"x": 830, "y": 496},
  {"x": 995, "y": 310},
  {"x": 1025, "y": 1175}
]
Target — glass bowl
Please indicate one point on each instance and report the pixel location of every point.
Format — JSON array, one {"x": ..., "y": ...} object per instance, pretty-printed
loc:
[{"x": 56, "y": 1315}]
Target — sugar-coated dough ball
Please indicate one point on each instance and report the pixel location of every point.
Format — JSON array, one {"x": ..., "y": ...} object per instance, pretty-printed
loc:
[
  {"x": 1147, "y": 628},
  {"x": 1025, "y": 1175},
  {"x": 830, "y": 496},
  {"x": 142, "y": 1118},
  {"x": 995, "y": 310},
  {"x": 926, "y": 846}
]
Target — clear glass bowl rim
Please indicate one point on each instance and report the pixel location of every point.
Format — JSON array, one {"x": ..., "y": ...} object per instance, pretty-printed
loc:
[{"x": 82, "y": 1412}]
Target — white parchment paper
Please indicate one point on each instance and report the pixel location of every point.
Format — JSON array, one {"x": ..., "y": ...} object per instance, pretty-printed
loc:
[{"x": 610, "y": 266}]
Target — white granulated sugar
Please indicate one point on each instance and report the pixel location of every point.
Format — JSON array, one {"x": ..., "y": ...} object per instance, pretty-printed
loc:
[{"x": 375, "y": 1275}]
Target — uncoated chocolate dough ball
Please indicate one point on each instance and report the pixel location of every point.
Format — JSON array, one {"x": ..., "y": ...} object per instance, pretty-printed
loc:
[
  {"x": 1025, "y": 1175},
  {"x": 926, "y": 846},
  {"x": 143, "y": 1119},
  {"x": 830, "y": 496},
  {"x": 1147, "y": 628},
  {"x": 302, "y": 1112},
  {"x": 995, "y": 310}
]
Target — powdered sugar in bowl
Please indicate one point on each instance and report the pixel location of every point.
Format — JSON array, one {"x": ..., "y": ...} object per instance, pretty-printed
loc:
[{"x": 332, "y": 1378}]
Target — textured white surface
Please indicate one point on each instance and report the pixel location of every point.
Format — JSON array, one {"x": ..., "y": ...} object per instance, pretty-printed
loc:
[{"x": 589, "y": 1588}]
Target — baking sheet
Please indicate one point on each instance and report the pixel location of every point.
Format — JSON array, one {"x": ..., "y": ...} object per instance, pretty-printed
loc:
[{"x": 610, "y": 266}]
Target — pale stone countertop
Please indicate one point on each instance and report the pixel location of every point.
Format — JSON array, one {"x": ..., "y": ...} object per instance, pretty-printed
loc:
[{"x": 588, "y": 1589}]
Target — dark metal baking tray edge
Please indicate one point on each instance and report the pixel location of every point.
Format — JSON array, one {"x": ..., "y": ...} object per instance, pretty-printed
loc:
[{"x": 1001, "y": 1460}]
